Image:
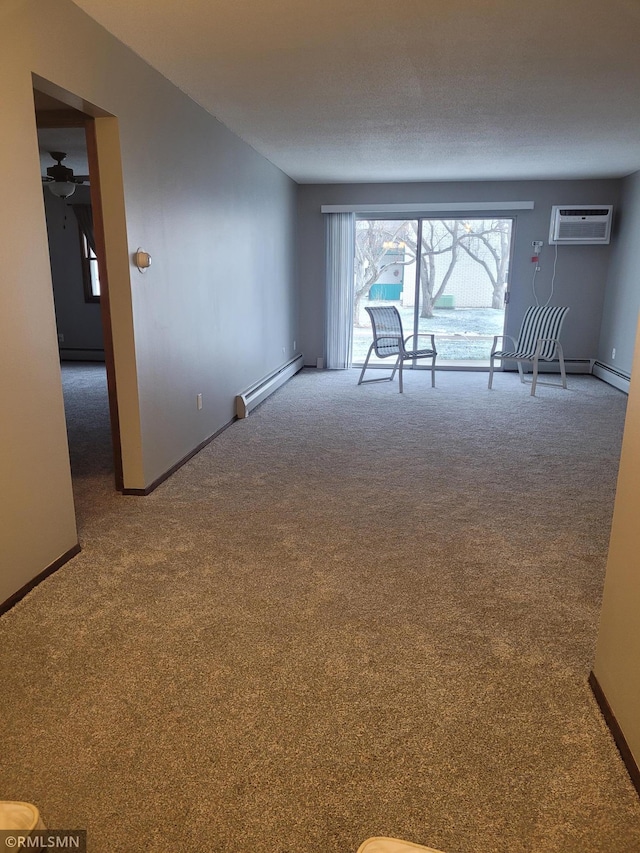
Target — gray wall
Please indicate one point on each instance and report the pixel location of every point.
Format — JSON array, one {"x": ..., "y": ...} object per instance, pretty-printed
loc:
[
  {"x": 622, "y": 296},
  {"x": 581, "y": 272},
  {"x": 216, "y": 311},
  {"x": 79, "y": 321}
]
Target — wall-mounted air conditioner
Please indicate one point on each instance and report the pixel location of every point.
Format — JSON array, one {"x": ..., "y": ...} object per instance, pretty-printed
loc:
[{"x": 580, "y": 225}]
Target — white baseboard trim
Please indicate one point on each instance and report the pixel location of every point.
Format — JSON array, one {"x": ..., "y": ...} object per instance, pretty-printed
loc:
[
  {"x": 612, "y": 376},
  {"x": 576, "y": 365},
  {"x": 259, "y": 391}
]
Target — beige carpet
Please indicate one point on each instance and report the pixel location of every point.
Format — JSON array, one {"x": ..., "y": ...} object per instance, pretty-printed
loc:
[{"x": 355, "y": 613}]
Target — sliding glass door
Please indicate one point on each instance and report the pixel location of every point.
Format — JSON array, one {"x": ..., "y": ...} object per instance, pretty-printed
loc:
[
  {"x": 446, "y": 276},
  {"x": 385, "y": 274}
]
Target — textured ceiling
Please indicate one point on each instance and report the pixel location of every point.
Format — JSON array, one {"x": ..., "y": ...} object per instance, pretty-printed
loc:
[{"x": 369, "y": 90}]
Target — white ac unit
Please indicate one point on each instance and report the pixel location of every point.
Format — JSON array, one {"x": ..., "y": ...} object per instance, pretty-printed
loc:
[{"x": 580, "y": 225}]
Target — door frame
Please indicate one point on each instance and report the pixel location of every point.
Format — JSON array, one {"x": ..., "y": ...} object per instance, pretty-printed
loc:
[
  {"x": 458, "y": 215},
  {"x": 105, "y": 304},
  {"x": 82, "y": 114}
]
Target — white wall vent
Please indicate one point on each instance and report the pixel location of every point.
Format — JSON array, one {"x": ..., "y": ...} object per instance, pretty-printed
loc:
[{"x": 580, "y": 225}]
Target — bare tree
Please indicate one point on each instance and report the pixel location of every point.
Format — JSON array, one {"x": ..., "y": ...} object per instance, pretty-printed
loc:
[
  {"x": 438, "y": 238},
  {"x": 374, "y": 239},
  {"x": 487, "y": 242}
]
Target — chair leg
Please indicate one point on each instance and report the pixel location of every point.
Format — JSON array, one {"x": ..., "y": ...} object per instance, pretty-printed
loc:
[
  {"x": 400, "y": 372},
  {"x": 362, "y": 381},
  {"x": 562, "y": 370},
  {"x": 491, "y": 365},
  {"x": 520, "y": 371},
  {"x": 395, "y": 367},
  {"x": 364, "y": 367},
  {"x": 534, "y": 379},
  {"x": 433, "y": 372}
]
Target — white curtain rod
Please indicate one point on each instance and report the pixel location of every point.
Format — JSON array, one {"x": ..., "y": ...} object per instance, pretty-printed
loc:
[{"x": 428, "y": 207}]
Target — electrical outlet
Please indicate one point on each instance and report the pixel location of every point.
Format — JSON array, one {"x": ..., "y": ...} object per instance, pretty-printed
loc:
[
  {"x": 613, "y": 353},
  {"x": 294, "y": 346},
  {"x": 199, "y": 401},
  {"x": 284, "y": 350}
]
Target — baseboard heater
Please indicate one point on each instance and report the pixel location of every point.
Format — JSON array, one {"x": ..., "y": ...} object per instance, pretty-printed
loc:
[
  {"x": 572, "y": 365},
  {"x": 253, "y": 396},
  {"x": 614, "y": 377},
  {"x": 78, "y": 354}
]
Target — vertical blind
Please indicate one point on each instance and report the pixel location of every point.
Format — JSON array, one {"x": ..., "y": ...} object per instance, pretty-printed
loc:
[{"x": 341, "y": 233}]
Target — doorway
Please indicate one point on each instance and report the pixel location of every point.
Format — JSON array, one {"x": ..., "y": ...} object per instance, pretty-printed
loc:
[
  {"x": 448, "y": 277},
  {"x": 66, "y": 137}
]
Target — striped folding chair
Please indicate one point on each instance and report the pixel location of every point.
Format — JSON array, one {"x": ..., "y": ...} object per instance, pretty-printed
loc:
[
  {"x": 538, "y": 341},
  {"x": 389, "y": 340}
]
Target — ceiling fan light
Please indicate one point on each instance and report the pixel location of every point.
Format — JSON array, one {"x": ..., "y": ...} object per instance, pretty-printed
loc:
[{"x": 63, "y": 189}]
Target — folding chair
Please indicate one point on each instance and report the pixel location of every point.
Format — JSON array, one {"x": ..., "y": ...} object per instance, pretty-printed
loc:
[
  {"x": 538, "y": 340},
  {"x": 389, "y": 340}
]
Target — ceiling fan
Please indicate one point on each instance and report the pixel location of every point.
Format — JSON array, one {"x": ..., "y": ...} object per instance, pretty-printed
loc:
[{"x": 60, "y": 179}]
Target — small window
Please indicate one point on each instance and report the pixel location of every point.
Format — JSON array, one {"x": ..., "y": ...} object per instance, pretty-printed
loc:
[{"x": 90, "y": 274}]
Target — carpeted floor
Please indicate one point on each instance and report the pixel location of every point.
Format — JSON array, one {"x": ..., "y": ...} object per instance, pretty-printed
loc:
[{"x": 355, "y": 613}]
